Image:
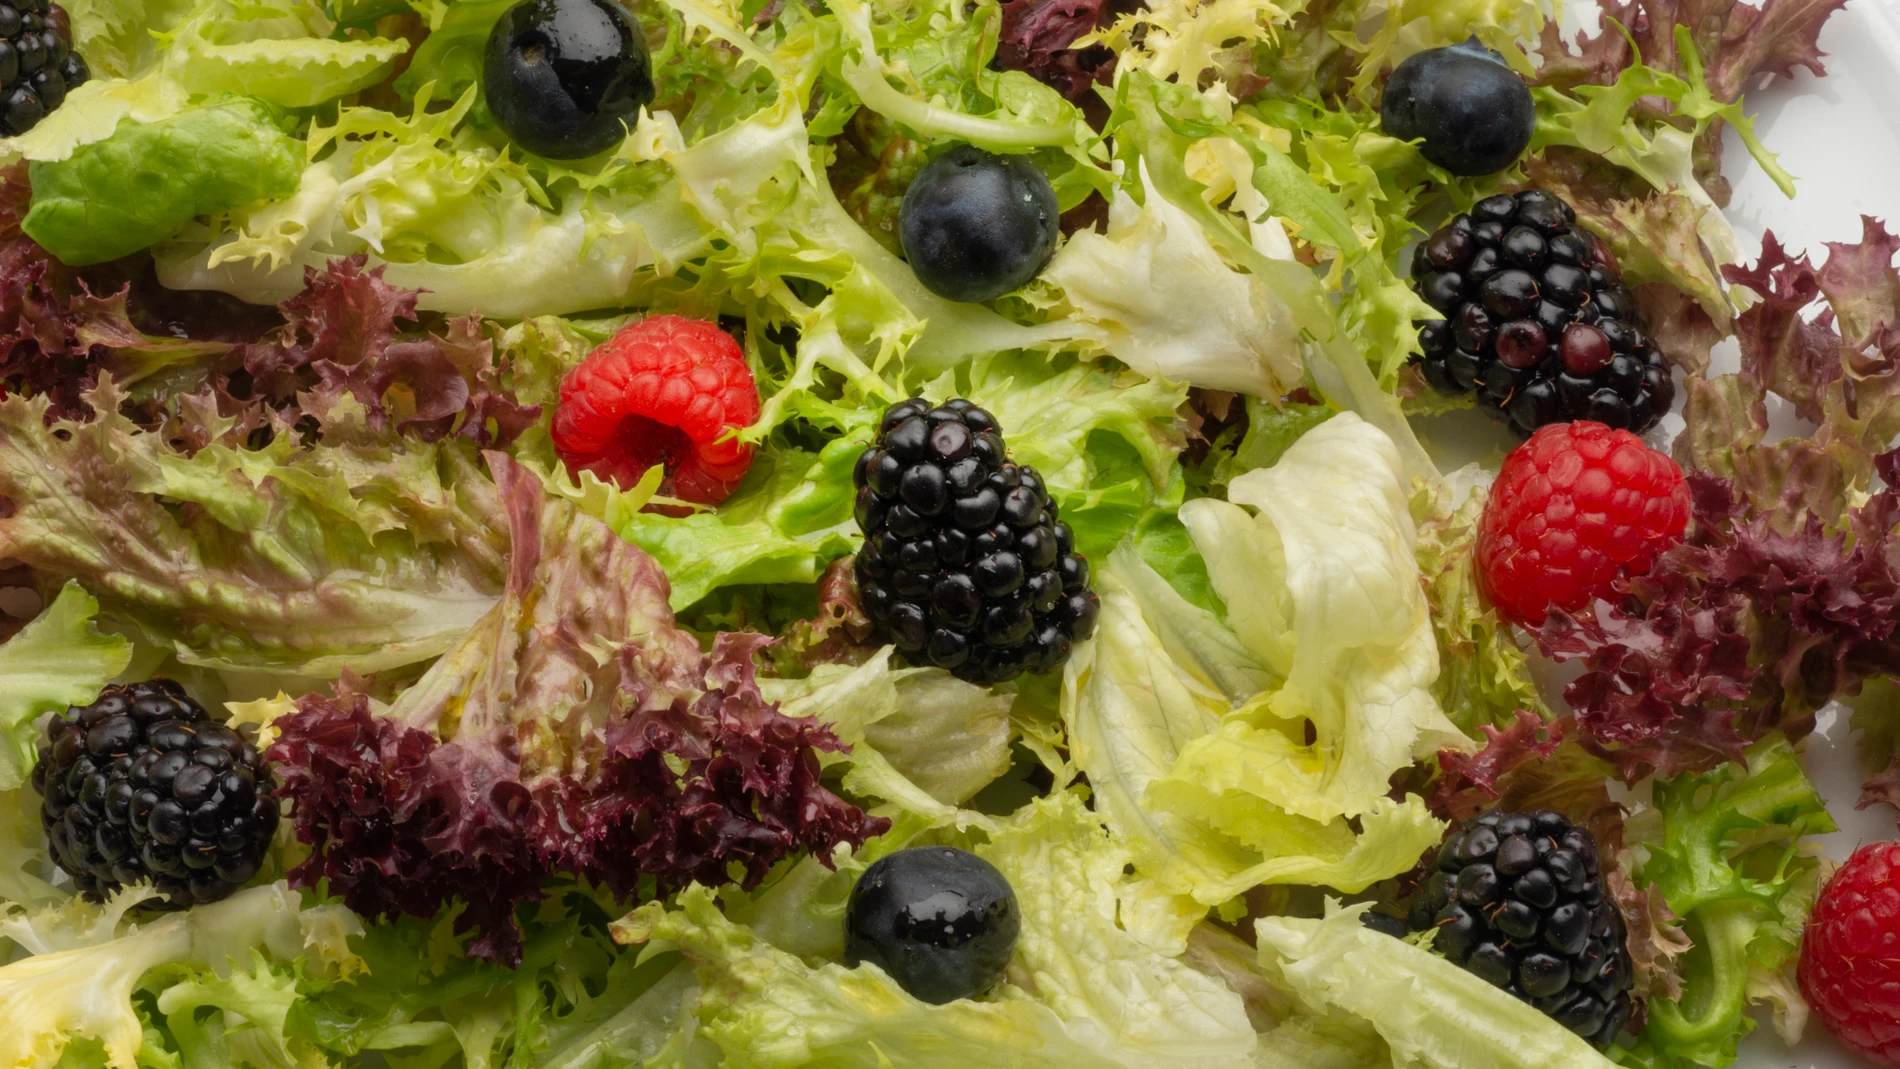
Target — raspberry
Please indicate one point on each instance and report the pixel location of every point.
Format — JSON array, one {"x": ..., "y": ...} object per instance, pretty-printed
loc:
[
  {"x": 667, "y": 391},
  {"x": 1572, "y": 509},
  {"x": 1850, "y": 959}
]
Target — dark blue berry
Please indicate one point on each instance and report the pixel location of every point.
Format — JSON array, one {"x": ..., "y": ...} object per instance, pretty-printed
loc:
[
  {"x": 941, "y": 922},
  {"x": 976, "y": 226},
  {"x": 566, "y": 79},
  {"x": 1472, "y": 112}
]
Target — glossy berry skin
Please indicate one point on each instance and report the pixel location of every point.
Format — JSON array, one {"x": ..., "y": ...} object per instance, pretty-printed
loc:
[
  {"x": 37, "y": 64},
  {"x": 965, "y": 565},
  {"x": 566, "y": 79},
  {"x": 1573, "y": 508},
  {"x": 1538, "y": 324},
  {"x": 142, "y": 785},
  {"x": 1850, "y": 956},
  {"x": 1473, "y": 113},
  {"x": 1517, "y": 900},
  {"x": 941, "y": 921},
  {"x": 976, "y": 226},
  {"x": 666, "y": 390}
]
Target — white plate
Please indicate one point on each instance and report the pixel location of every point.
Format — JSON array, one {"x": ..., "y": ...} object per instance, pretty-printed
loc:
[{"x": 1840, "y": 136}]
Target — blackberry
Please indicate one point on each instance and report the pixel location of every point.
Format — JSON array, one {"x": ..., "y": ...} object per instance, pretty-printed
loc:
[
  {"x": 1537, "y": 321},
  {"x": 1517, "y": 899},
  {"x": 965, "y": 565},
  {"x": 143, "y": 785},
  {"x": 38, "y": 66}
]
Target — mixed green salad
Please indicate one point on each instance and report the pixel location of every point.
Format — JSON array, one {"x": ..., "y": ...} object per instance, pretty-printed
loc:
[{"x": 495, "y": 599}]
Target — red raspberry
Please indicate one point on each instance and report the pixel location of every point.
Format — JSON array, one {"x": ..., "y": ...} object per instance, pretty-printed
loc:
[
  {"x": 665, "y": 390},
  {"x": 1573, "y": 508},
  {"x": 1850, "y": 960}
]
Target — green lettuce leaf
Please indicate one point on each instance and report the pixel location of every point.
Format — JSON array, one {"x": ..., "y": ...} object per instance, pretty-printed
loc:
[
  {"x": 1729, "y": 863},
  {"x": 151, "y": 61},
  {"x": 145, "y": 182},
  {"x": 57, "y": 660},
  {"x": 358, "y": 556},
  {"x": 1430, "y": 1012},
  {"x": 1194, "y": 732},
  {"x": 1483, "y": 678},
  {"x": 1092, "y": 994},
  {"x": 84, "y": 992}
]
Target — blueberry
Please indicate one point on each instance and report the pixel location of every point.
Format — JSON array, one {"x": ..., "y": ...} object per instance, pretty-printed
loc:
[
  {"x": 976, "y": 226},
  {"x": 566, "y": 78},
  {"x": 1473, "y": 113},
  {"x": 942, "y": 922}
]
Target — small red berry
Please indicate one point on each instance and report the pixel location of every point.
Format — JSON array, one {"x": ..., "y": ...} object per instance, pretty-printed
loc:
[
  {"x": 1572, "y": 509},
  {"x": 1850, "y": 958},
  {"x": 665, "y": 390}
]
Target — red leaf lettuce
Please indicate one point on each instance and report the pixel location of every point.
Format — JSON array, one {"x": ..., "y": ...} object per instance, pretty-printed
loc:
[{"x": 575, "y": 730}]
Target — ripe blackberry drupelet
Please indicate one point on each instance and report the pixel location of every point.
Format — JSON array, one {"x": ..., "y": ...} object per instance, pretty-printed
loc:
[
  {"x": 37, "y": 63},
  {"x": 1517, "y": 899},
  {"x": 1537, "y": 321},
  {"x": 143, "y": 785},
  {"x": 965, "y": 565}
]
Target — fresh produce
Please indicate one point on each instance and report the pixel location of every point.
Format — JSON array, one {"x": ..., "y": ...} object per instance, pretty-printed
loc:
[
  {"x": 1849, "y": 952},
  {"x": 1537, "y": 320},
  {"x": 976, "y": 225},
  {"x": 1471, "y": 112},
  {"x": 965, "y": 565},
  {"x": 141, "y": 785},
  {"x": 665, "y": 391},
  {"x": 508, "y": 421},
  {"x": 566, "y": 79},
  {"x": 1575, "y": 509},
  {"x": 941, "y": 921},
  {"x": 1517, "y": 899},
  {"x": 38, "y": 66}
]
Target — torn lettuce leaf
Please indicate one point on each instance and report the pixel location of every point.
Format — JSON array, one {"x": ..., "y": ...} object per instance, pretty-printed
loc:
[
  {"x": 58, "y": 660},
  {"x": 1483, "y": 678},
  {"x": 1194, "y": 732}
]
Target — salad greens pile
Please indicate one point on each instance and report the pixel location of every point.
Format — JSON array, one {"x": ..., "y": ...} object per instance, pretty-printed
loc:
[{"x": 581, "y": 777}]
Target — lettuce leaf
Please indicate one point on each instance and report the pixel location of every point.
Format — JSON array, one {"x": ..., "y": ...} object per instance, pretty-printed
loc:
[
  {"x": 84, "y": 992},
  {"x": 308, "y": 561},
  {"x": 1194, "y": 734},
  {"x": 573, "y": 729},
  {"x": 1429, "y": 1011},
  {"x": 1090, "y": 995},
  {"x": 141, "y": 185},
  {"x": 58, "y": 660},
  {"x": 1728, "y": 860}
]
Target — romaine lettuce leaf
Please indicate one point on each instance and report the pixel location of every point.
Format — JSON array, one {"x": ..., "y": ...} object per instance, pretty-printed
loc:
[
  {"x": 1430, "y": 1012},
  {"x": 145, "y": 182}
]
